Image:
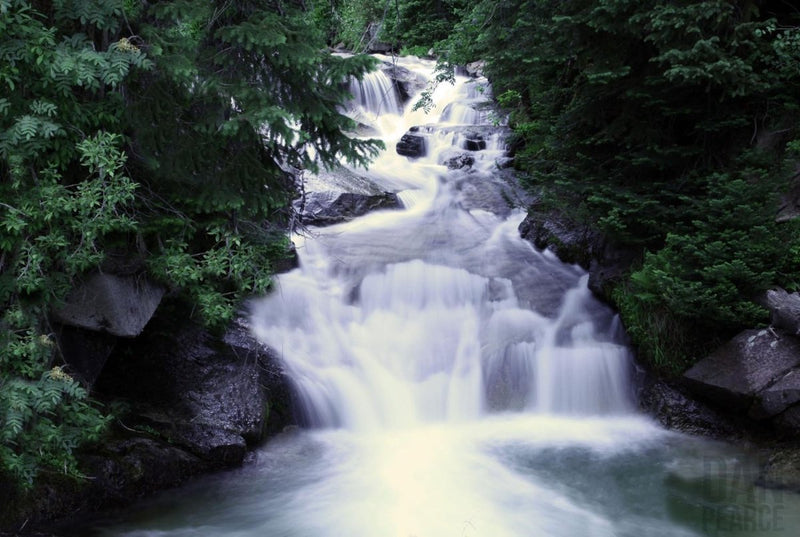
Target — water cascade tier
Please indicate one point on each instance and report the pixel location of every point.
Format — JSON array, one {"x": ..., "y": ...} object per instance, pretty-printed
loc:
[{"x": 452, "y": 380}]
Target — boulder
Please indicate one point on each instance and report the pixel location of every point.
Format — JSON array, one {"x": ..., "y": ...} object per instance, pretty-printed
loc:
[
  {"x": 85, "y": 352},
  {"x": 784, "y": 309},
  {"x": 411, "y": 145},
  {"x": 374, "y": 44},
  {"x": 192, "y": 403},
  {"x": 474, "y": 142},
  {"x": 475, "y": 69},
  {"x": 675, "y": 410},
  {"x": 118, "y": 305},
  {"x": 789, "y": 207},
  {"x": 463, "y": 160},
  {"x": 406, "y": 82},
  {"x": 214, "y": 398},
  {"x": 735, "y": 373},
  {"x": 777, "y": 398},
  {"x": 577, "y": 243},
  {"x": 782, "y": 469},
  {"x": 327, "y": 208},
  {"x": 339, "y": 195}
]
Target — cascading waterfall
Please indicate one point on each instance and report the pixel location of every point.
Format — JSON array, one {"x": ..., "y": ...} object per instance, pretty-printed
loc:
[
  {"x": 431, "y": 330},
  {"x": 456, "y": 382}
]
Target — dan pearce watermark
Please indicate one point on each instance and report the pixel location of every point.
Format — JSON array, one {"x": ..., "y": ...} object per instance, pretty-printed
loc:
[{"x": 734, "y": 504}]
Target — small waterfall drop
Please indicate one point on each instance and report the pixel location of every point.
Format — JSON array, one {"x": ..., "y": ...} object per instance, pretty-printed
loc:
[{"x": 373, "y": 96}]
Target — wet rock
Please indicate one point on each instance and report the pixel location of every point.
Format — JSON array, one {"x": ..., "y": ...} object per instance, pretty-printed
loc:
[
  {"x": 327, "y": 208},
  {"x": 475, "y": 69},
  {"x": 339, "y": 195},
  {"x": 406, "y": 82},
  {"x": 675, "y": 410},
  {"x": 411, "y": 145},
  {"x": 85, "y": 351},
  {"x": 752, "y": 361},
  {"x": 782, "y": 469},
  {"x": 374, "y": 44},
  {"x": 463, "y": 160},
  {"x": 118, "y": 473},
  {"x": 788, "y": 423},
  {"x": 193, "y": 403},
  {"x": 474, "y": 142}
]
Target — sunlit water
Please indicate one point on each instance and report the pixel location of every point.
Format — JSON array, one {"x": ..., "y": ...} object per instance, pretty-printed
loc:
[{"x": 454, "y": 381}]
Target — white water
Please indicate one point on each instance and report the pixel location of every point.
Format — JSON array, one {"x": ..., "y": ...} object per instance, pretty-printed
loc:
[{"x": 456, "y": 382}]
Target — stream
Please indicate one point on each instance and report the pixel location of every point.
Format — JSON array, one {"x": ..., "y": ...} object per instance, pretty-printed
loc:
[{"x": 452, "y": 380}]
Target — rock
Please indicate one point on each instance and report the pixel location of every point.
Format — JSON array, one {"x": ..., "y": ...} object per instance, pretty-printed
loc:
[
  {"x": 782, "y": 470},
  {"x": 118, "y": 473},
  {"x": 475, "y": 69},
  {"x": 194, "y": 403},
  {"x": 119, "y": 305},
  {"x": 339, "y": 195},
  {"x": 784, "y": 309},
  {"x": 406, "y": 82},
  {"x": 752, "y": 361},
  {"x": 788, "y": 423},
  {"x": 211, "y": 397},
  {"x": 789, "y": 208},
  {"x": 474, "y": 142},
  {"x": 327, "y": 208},
  {"x": 777, "y": 398},
  {"x": 675, "y": 410},
  {"x": 85, "y": 352},
  {"x": 374, "y": 44},
  {"x": 463, "y": 160},
  {"x": 581, "y": 244},
  {"x": 411, "y": 145},
  {"x": 571, "y": 242}
]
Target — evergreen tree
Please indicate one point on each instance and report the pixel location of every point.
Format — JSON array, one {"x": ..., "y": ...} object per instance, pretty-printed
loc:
[
  {"x": 163, "y": 132},
  {"x": 666, "y": 125}
]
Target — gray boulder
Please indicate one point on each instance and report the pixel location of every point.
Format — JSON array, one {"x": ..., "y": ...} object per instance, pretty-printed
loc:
[
  {"x": 339, "y": 195},
  {"x": 475, "y": 69},
  {"x": 782, "y": 469},
  {"x": 784, "y": 309},
  {"x": 118, "y": 305},
  {"x": 737, "y": 373},
  {"x": 327, "y": 208},
  {"x": 777, "y": 398}
]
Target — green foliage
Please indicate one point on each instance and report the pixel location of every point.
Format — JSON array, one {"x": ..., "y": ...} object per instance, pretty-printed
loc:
[
  {"x": 643, "y": 117},
  {"x": 165, "y": 132}
]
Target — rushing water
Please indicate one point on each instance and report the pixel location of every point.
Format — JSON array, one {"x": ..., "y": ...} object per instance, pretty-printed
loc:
[{"x": 455, "y": 381}]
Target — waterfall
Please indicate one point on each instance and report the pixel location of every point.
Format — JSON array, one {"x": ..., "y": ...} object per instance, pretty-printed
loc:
[
  {"x": 374, "y": 94},
  {"x": 455, "y": 381},
  {"x": 425, "y": 315}
]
